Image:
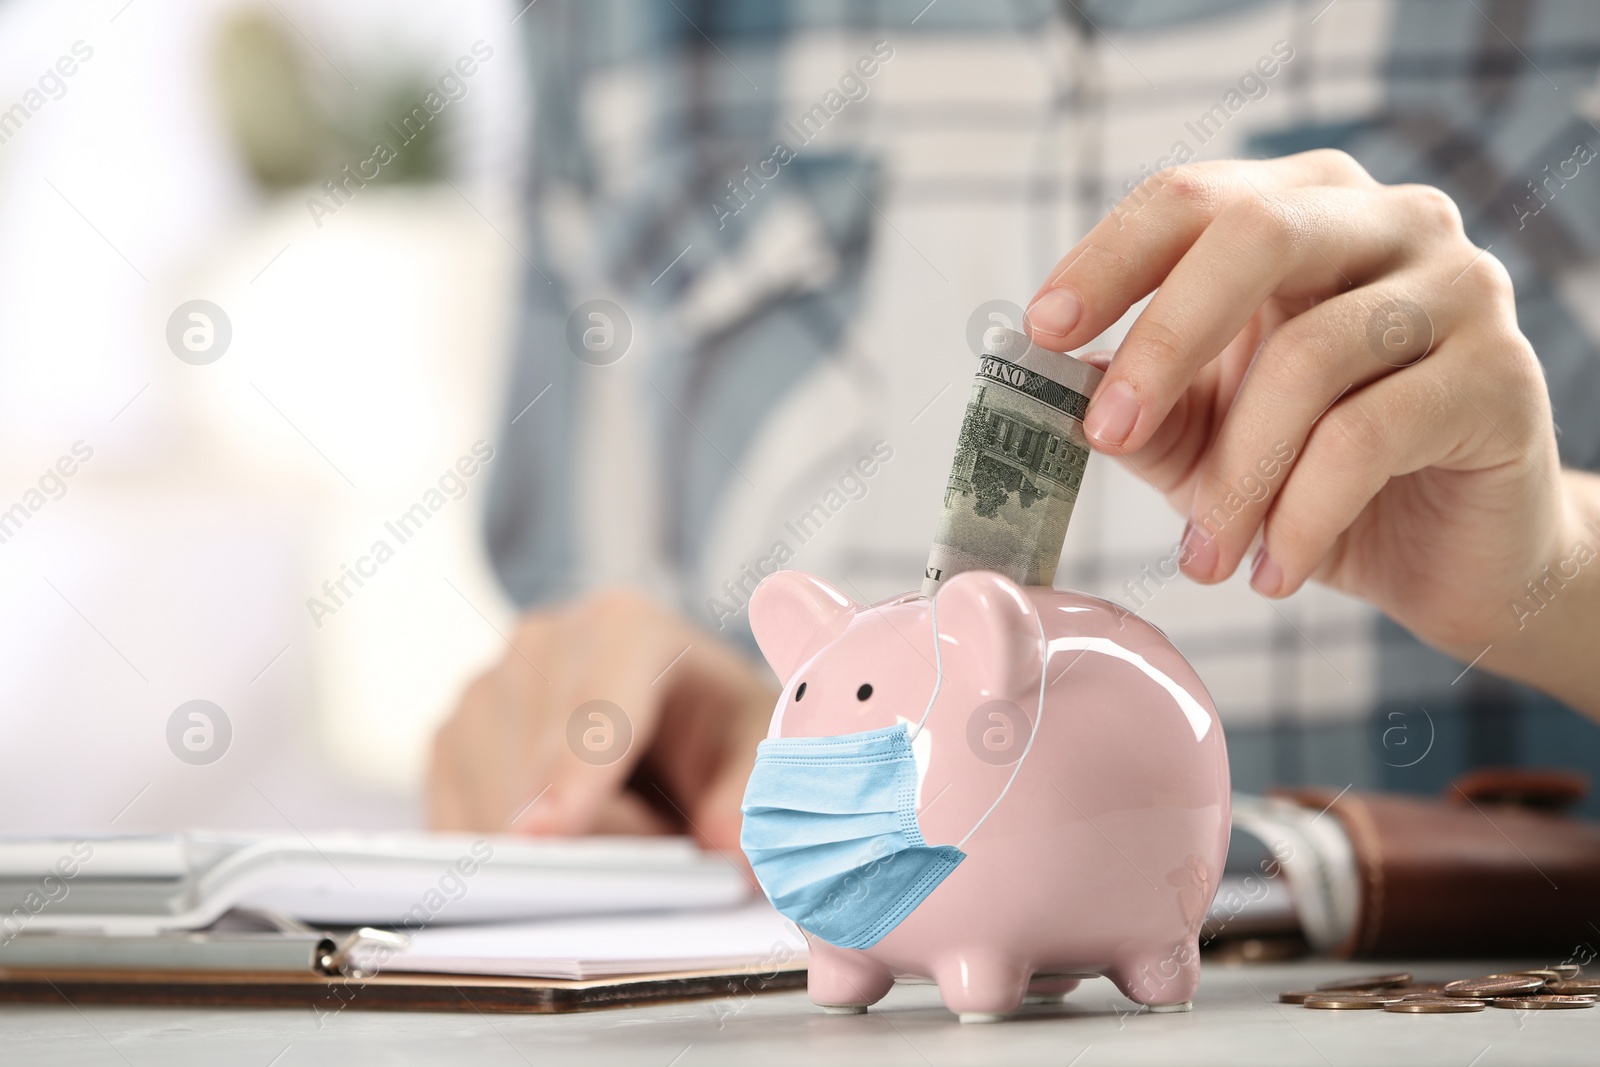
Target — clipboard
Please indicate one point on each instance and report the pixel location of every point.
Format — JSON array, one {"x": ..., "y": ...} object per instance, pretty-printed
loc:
[
  {"x": 297, "y": 967},
  {"x": 329, "y": 994}
]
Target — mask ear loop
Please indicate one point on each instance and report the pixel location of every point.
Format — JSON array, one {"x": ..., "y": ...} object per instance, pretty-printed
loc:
[
  {"x": 938, "y": 671},
  {"x": 1038, "y": 718}
]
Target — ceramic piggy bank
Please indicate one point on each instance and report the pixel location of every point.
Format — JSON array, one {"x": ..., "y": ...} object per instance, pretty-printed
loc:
[{"x": 1003, "y": 790}]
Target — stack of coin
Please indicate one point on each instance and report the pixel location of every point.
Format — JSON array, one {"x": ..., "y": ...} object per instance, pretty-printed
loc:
[
  {"x": 1547, "y": 988},
  {"x": 1569, "y": 986},
  {"x": 1543, "y": 1001},
  {"x": 1349, "y": 1001},
  {"x": 1495, "y": 985}
]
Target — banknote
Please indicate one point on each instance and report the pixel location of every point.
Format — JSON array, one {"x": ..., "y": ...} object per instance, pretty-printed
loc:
[{"x": 1019, "y": 463}]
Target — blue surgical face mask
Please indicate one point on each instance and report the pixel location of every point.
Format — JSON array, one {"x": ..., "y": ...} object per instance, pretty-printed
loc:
[{"x": 830, "y": 826}]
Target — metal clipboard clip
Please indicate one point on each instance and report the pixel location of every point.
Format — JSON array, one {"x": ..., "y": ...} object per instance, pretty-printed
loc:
[{"x": 354, "y": 955}]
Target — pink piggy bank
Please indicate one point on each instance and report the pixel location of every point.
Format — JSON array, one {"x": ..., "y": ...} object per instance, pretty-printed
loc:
[{"x": 1033, "y": 793}]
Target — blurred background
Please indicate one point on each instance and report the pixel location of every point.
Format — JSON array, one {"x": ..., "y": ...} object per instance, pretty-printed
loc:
[
  {"x": 234, "y": 460},
  {"x": 365, "y": 359}
]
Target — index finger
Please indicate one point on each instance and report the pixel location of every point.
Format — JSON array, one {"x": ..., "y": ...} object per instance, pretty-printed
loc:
[
  {"x": 597, "y": 750},
  {"x": 1132, "y": 250}
]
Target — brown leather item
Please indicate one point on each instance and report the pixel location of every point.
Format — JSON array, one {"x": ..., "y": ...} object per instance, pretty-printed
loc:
[
  {"x": 1469, "y": 877},
  {"x": 1544, "y": 790}
]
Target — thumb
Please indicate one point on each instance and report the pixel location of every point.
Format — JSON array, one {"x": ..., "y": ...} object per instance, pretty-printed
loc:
[
  {"x": 717, "y": 818},
  {"x": 717, "y": 812}
]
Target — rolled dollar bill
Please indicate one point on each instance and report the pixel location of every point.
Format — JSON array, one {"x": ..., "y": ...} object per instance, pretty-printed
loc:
[{"x": 1019, "y": 462}]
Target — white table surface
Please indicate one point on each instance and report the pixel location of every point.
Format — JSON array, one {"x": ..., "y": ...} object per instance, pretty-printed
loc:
[{"x": 1236, "y": 1021}]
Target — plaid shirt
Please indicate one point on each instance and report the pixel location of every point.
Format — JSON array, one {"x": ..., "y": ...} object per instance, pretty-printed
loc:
[{"x": 806, "y": 211}]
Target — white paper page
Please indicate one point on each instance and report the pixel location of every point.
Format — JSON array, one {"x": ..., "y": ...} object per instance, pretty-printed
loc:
[
  {"x": 144, "y": 884},
  {"x": 754, "y": 936}
]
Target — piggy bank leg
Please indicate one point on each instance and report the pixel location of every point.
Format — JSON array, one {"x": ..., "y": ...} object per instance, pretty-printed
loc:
[
  {"x": 844, "y": 981},
  {"x": 981, "y": 987},
  {"x": 1049, "y": 989},
  {"x": 1162, "y": 981}
]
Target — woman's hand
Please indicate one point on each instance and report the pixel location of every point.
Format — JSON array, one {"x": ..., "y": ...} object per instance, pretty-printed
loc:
[
  {"x": 1330, "y": 364},
  {"x": 609, "y": 715}
]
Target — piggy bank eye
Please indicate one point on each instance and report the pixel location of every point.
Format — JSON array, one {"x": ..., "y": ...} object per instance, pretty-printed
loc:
[
  {"x": 801, "y": 691},
  {"x": 864, "y": 692}
]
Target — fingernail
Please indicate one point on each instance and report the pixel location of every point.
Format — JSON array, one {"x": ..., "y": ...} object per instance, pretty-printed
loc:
[
  {"x": 1197, "y": 553},
  {"x": 1055, "y": 313},
  {"x": 540, "y": 817},
  {"x": 1265, "y": 574},
  {"x": 1112, "y": 414}
]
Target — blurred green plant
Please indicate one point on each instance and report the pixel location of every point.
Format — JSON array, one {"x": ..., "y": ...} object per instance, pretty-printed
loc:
[{"x": 294, "y": 128}]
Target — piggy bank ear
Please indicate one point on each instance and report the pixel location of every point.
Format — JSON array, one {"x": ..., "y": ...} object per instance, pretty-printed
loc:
[
  {"x": 793, "y": 615},
  {"x": 989, "y": 635}
]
